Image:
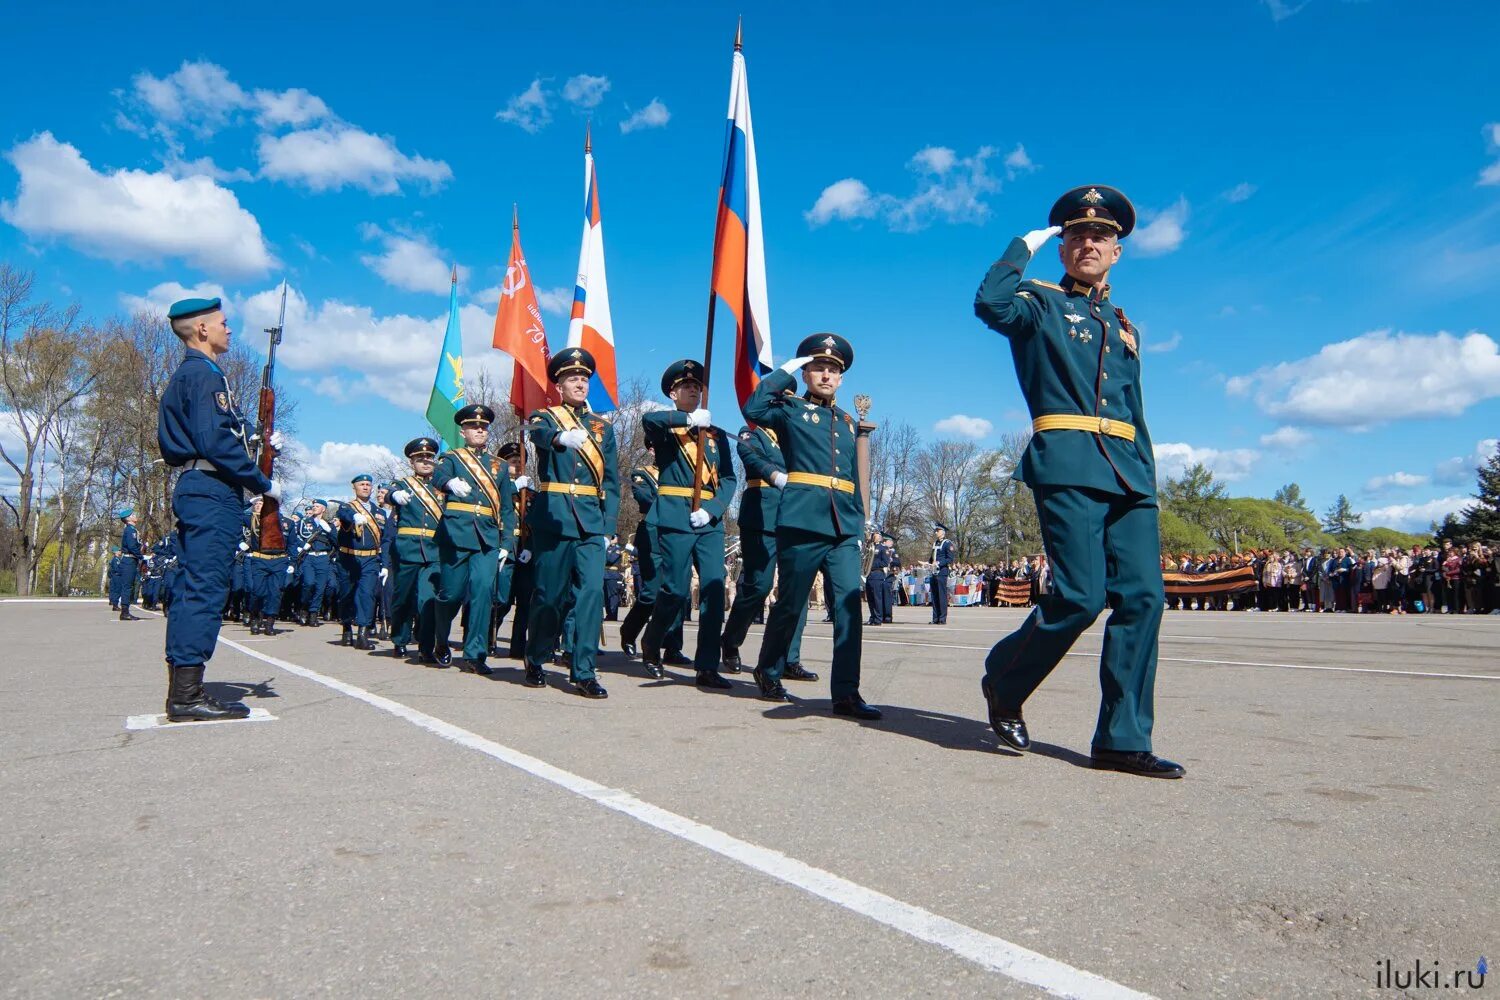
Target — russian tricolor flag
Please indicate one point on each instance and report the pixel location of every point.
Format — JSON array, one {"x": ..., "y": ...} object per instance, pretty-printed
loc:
[
  {"x": 739, "y": 274},
  {"x": 590, "y": 327}
]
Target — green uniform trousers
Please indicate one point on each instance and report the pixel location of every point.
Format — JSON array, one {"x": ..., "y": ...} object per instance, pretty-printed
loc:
[
  {"x": 758, "y": 558},
  {"x": 677, "y": 552},
  {"x": 415, "y": 605},
  {"x": 1103, "y": 549},
  {"x": 465, "y": 578},
  {"x": 800, "y": 555},
  {"x": 566, "y": 572}
]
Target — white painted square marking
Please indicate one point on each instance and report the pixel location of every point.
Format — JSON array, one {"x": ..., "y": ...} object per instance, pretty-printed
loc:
[{"x": 159, "y": 721}]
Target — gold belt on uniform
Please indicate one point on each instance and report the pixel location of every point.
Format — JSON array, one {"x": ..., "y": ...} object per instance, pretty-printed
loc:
[
  {"x": 827, "y": 482},
  {"x": 469, "y": 508},
  {"x": 1094, "y": 425},
  {"x": 419, "y": 532},
  {"x": 751, "y": 484},
  {"x": 266, "y": 555},
  {"x": 684, "y": 491},
  {"x": 359, "y": 552},
  {"x": 572, "y": 489}
]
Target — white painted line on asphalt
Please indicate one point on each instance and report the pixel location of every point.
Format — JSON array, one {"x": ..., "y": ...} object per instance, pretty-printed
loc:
[
  {"x": 159, "y": 721},
  {"x": 986, "y": 950},
  {"x": 51, "y": 600}
]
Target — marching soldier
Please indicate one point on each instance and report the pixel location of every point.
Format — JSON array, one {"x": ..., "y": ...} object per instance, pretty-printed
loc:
[
  {"x": 687, "y": 539},
  {"x": 130, "y": 563},
  {"x": 765, "y": 478},
  {"x": 476, "y": 526},
  {"x": 513, "y": 581},
  {"x": 821, "y": 518},
  {"x": 320, "y": 544},
  {"x": 892, "y": 576},
  {"x": 266, "y": 571},
  {"x": 877, "y": 580},
  {"x": 614, "y": 580},
  {"x": 385, "y": 593},
  {"x": 942, "y": 560},
  {"x": 361, "y": 534},
  {"x": 419, "y": 511},
  {"x": 576, "y": 504},
  {"x": 1092, "y": 471},
  {"x": 200, "y": 432},
  {"x": 643, "y": 483}
]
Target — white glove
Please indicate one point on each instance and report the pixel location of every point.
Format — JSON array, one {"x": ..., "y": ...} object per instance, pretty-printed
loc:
[
  {"x": 698, "y": 518},
  {"x": 277, "y": 440},
  {"x": 275, "y": 491},
  {"x": 630, "y": 549},
  {"x": 524, "y": 557},
  {"x": 458, "y": 488},
  {"x": 361, "y": 519},
  {"x": 778, "y": 479},
  {"x": 400, "y": 498},
  {"x": 699, "y": 418},
  {"x": 573, "y": 439},
  {"x": 383, "y": 574},
  {"x": 303, "y": 549},
  {"x": 794, "y": 365},
  {"x": 1037, "y": 237},
  {"x": 244, "y": 546},
  {"x": 523, "y": 482},
  {"x": 504, "y": 554},
  {"x": 290, "y": 570}
]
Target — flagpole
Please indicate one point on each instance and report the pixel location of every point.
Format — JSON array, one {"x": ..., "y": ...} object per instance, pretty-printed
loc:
[
  {"x": 515, "y": 227},
  {"x": 708, "y": 338}
]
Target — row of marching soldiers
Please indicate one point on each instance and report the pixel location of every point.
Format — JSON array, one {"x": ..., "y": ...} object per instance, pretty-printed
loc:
[{"x": 465, "y": 537}]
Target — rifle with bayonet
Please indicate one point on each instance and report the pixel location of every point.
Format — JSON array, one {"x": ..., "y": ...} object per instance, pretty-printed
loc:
[{"x": 271, "y": 537}]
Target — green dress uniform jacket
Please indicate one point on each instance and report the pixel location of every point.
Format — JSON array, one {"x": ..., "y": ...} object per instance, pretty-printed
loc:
[
  {"x": 418, "y": 521},
  {"x": 821, "y": 494},
  {"x": 417, "y": 563},
  {"x": 473, "y": 523},
  {"x": 760, "y": 454},
  {"x": 676, "y": 446}
]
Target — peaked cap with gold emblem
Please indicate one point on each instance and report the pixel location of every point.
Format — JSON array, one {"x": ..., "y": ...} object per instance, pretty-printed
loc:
[
  {"x": 678, "y": 372},
  {"x": 568, "y": 361},
  {"x": 827, "y": 347},
  {"x": 1094, "y": 204}
]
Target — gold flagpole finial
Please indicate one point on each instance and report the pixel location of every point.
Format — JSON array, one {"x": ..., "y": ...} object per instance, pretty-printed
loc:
[
  {"x": 588, "y": 136},
  {"x": 739, "y": 34}
]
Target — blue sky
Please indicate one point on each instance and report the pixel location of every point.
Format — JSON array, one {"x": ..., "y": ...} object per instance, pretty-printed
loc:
[{"x": 1319, "y": 184}]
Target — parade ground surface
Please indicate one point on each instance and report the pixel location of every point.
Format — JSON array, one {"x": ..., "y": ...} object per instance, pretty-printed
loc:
[{"x": 387, "y": 830}]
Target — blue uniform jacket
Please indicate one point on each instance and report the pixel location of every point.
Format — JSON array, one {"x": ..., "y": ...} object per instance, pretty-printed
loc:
[
  {"x": 365, "y": 538},
  {"x": 942, "y": 553},
  {"x": 130, "y": 542},
  {"x": 198, "y": 419}
]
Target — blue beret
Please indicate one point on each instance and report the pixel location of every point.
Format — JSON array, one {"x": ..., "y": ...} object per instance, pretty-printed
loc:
[
  {"x": 185, "y": 308},
  {"x": 363, "y": 477},
  {"x": 123, "y": 513}
]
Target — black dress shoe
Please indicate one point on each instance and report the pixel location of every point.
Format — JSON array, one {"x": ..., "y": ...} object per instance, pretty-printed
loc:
[
  {"x": 854, "y": 706},
  {"x": 797, "y": 672},
  {"x": 535, "y": 677},
  {"x": 1006, "y": 722},
  {"x": 730, "y": 658},
  {"x": 676, "y": 659},
  {"x": 628, "y": 648},
  {"x": 1142, "y": 762},
  {"x": 362, "y": 639},
  {"x": 769, "y": 689},
  {"x": 480, "y": 667},
  {"x": 425, "y": 656},
  {"x": 711, "y": 679},
  {"x": 398, "y": 651},
  {"x": 652, "y": 663},
  {"x": 590, "y": 688},
  {"x": 254, "y": 625},
  {"x": 443, "y": 658},
  {"x": 347, "y": 639}
]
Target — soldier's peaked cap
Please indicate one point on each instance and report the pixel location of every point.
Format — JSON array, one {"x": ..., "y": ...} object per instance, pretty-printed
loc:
[
  {"x": 475, "y": 413},
  {"x": 827, "y": 347},
  {"x": 568, "y": 361},
  {"x": 678, "y": 372},
  {"x": 1094, "y": 204},
  {"x": 509, "y": 450},
  {"x": 421, "y": 446}
]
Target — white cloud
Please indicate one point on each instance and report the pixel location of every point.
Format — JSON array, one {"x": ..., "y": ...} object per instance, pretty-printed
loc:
[
  {"x": 555, "y": 300},
  {"x": 950, "y": 189},
  {"x": 1378, "y": 378},
  {"x": 1463, "y": 469},
  {"x": 653, "y": 115},
  {"x": 131, "y": 215},
  {"x": 1163, "y": 233},
  {"x": 1018, "y": 163},
  {"x": 201, "y": 97},
  {"x": 1240, "y": 192},
  {"x": 161, "y": 297},
  {"x": 529, "y": 109},
  {"x": 585, "y": 91},
  {"x": 410, "y": 262},
  {"x": 1175, "y": 458},
  {"x": 1396, "y": 480},
  {"x": 960, "y": 425},
  {"x": 1283, "y": 9},
  {"x": 337, "y": 462},
  {"x": 204, "y": 166},
  {"x": 295, "y": 107},
  {"x": 1491, "y": 173},
  {"x": 1285, "y": 438},
  {"x": 331, "y": 157},
  {"x": 1163, "y": 346},
  {"x": 1414, "y": 517}
]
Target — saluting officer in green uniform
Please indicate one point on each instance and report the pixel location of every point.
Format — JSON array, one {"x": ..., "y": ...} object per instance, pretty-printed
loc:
[
  {"x": 419, "y": 514},
  {"x": 576, "y": 482},
  {"x": 1092, "y": 471},
  {"x": 688, "y": 538},
  {"x": 475, "y": 528},
  {"x": 821, "y": 518},
  {"x": 765, "y": 478}
]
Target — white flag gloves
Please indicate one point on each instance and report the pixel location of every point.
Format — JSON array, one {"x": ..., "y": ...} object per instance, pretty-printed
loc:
[
  {"x": 361, "y": 519},
  {"x": 275, "y": 491},
  {"x": 400, "y": 498},
  {"x": 525, "y": 557},
  {"x": 384, "y": 573},
  {"x": 244, "y": 546},
  {"x": 778, "y": 479},
  {"x": 699, "y": 418},
  {"x": 573, "y": 439},
  {"x": 698, "y": 518},
  {"x": 504, "y": 554},
  {"x": 1037, "y": 237},
  {"x": 290, "y": 570},
  {"x": 523, "y": 482},
  {"x": 277, "y": 440},
  {"x": 795, "y": 365},
  {"x": 458, "y": 487}
]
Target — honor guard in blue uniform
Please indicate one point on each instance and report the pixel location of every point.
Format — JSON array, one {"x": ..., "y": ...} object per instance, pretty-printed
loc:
[
  {"x": 614, "y": 579},
  {"x": 112, "y": 579},
  {"x": 512, "y": 581},
  {"x": 385, "y": 593},
  {"x": 821, "y": 518},
  {"x": 687, "y": 538},
  {"x": 576, "y": 504},
  {"x": 419, "y": 512},
  {"x": 319, "y": 547},
  {"x": 877, "y": 580},
  {"x": 765, "y": 478},
  {"x": 201, "y": 433},
  {"x": 476, "y": 526},
  {"x": 361, "y": 535},
  {"x": 130, "y": 564},
  {"x": 266, "y": 571},
  {"x": 1093, "y": 474},
  {"x": 942, "y": 562}
]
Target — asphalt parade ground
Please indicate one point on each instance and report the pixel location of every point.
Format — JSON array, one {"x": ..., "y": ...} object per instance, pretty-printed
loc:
[{"x": 384, "y": 829}]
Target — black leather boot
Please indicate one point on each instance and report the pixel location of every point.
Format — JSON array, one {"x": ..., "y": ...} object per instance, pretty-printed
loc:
[
  {"x": 347, "y": 639},
  {"x": 362, "y": 639},
  {"x": 187, "y": 702}
]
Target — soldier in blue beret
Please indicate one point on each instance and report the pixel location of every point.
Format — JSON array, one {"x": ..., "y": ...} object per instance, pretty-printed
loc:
[
  {"x": 1093, "y": 474},
  {"x": 201, "y": 433},
  {"x": 419, "y": 511},
  {"x": 576, "y": 503},
  {"x": 130, "y": 549},
  {"x": 266, "y": 570},
  {"x": 821, "y": 518},
  {"x": 319, "y": 545},
  {"x": 361, "y": 535}
]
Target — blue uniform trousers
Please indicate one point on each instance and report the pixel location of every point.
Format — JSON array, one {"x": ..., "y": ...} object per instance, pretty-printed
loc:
[
  {"x": 208, "y": 514},
  {"x": 940, "y": 597},
  {"x": 129, "y": 570},
  {"x": 312, "y": 577},
  {"x": 799, "y": 557},
  {"x": 877, "y": 594},
  {"x": 414, "y": 607},
  {"x": 1104, "y": 549},
  {"x": 677, "y": 552},
  {"x": 890, "y": 598},
  {"x": 758, "y": 557},
  {"x": 265, "y": 576},
  {"x": 465, "y": 578},
  {"x": 357, "y": 599},
  {"x": 566, "y": 573}
]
